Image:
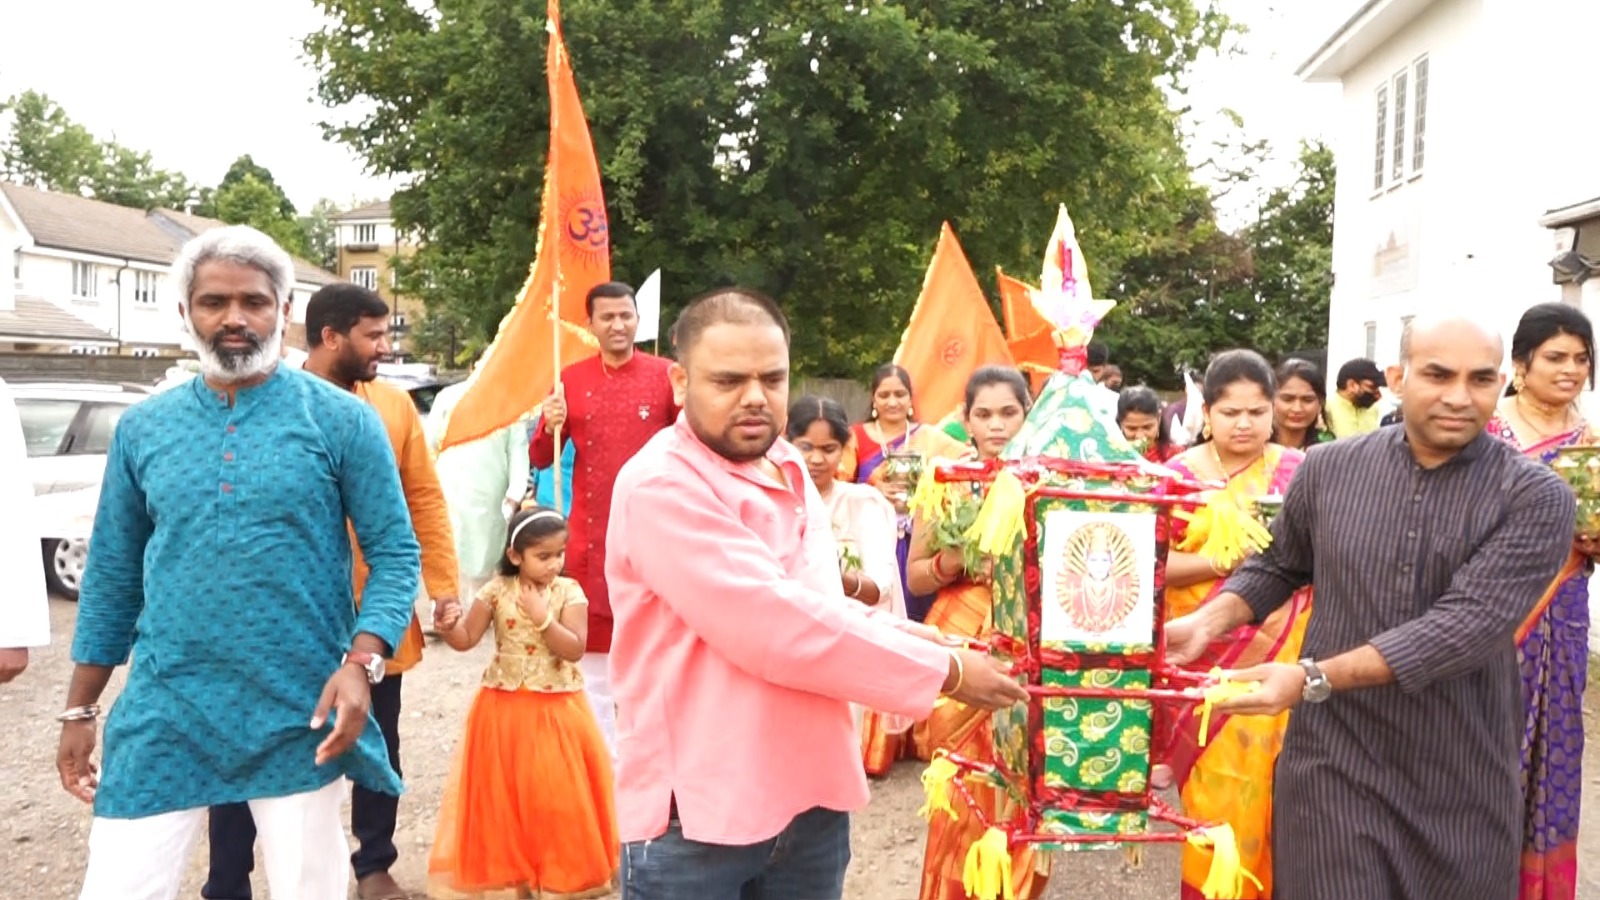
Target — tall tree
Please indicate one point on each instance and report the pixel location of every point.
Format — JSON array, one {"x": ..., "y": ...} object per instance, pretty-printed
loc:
[
  {"x": 321, "y": 234},
  {"x": 45, "y": 148},
  {"x": 250, "y": 201},
  {"x": 245, "y": 167},
  {"x": 1292, "y": 245},
  {"x": 808, "y": 149}
]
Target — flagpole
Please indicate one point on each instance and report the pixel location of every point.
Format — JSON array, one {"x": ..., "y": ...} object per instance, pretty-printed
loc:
[{"x": 550, "y": 196}]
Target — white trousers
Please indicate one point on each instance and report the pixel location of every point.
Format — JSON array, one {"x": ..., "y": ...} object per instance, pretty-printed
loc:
[
  {"x": 302, "y": 843},
  {"x": 596, "y": 668}
]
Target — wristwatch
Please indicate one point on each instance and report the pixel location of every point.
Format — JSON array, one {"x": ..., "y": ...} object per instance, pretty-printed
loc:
[
  {"x": 371, "y": 663},
  {"x": 1317, "y": 688}
]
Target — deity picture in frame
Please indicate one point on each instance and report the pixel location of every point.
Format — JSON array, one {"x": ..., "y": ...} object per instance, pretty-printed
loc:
[{"x": 1096, "y": 579}]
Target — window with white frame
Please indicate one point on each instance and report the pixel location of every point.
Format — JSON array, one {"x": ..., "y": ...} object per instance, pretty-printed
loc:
[
  {"x": 84, "y": 278},
  {"x": 144, "y": 287},
  {"x": 1419, "y": 120},
  {"x": 1405, "y": 326},
  {"x": 1400, "y": 138},
  {"x": 1371, "y": 341},
  {"x": 1381, "y": 159},
  {"x": 366, "y": 276},
  {"x": 366, "y": 234}
]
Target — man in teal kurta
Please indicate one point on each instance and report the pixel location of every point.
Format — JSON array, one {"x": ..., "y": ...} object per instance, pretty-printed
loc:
[{"x": 221, "y": 561}]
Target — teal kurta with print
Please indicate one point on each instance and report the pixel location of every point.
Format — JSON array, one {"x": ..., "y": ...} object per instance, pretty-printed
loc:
[{"x": 220, "y": 558}]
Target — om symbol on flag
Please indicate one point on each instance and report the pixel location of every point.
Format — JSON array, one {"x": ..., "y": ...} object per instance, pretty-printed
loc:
[{"x": 586, "y": 226}]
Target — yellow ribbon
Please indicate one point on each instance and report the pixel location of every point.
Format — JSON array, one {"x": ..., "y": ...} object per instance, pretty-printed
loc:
[
  {"x": 1000, "y": 520},
  {"x": 936, "y": 780},
  {"x": 930, "y": 497},
  {"x": 1227, "y": 874},
  {"x": 1231, "y": 531},
  {"x": 1220, "y": 692},
  {"x": 987, "y": 873}
]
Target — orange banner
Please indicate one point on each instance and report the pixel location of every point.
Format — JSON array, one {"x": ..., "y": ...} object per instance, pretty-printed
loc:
[
  {"x": 542, "y": 332},
  {"x": 952, "y": 332},
  {"x": 1029, "y": 335}
]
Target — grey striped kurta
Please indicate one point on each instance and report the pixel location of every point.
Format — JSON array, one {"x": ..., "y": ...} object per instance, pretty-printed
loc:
[{"x": 1409, "y": 791}]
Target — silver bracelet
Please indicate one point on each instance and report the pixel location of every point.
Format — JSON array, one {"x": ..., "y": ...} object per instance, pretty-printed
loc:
[{"x": 80, "y": 714}]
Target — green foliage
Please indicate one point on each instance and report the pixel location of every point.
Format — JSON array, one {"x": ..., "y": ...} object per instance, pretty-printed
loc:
[
  {"x": 810, "y": 150},
  {"x": 1267, "y": 288},
  {"x": 251, "y": 201},
  {"x": 245, "y": 167},
  {"x": 46, "y": 149},
  {"x": 322, "y": 245}
]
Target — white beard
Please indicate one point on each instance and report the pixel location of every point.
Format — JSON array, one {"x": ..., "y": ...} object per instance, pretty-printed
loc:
[{"x": 232, "y": 369}]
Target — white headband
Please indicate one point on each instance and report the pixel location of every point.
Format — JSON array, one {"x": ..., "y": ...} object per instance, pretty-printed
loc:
[{"x": 541, "y": 514}]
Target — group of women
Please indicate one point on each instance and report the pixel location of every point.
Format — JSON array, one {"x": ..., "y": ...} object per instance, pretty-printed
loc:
[{"x": 1256, "y": 423}]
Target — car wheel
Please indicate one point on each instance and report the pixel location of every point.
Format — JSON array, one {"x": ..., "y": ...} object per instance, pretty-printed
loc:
[{"x": 64, "y": 562}]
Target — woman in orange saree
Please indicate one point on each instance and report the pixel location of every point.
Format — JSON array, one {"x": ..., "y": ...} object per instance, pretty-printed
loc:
[
  {"x": 996, "y": 403},
  {"x": 1226, "y": 774}
]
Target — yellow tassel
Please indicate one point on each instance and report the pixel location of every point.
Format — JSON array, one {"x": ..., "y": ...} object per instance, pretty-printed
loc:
[
  {"x": 1226, "y": 530},
  {"x": 1135, "y": 855},
  {"x": 999, "y": 522},
  {"x": 930, "y": 497},
  {"x": 987, "y": 873},
  {"x": 1227, "y": 874},
  {"x": 1217, "y": 693},
  {"x": 936, "y": 781}
]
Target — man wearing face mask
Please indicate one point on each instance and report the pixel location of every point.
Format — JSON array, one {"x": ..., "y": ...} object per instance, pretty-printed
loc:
[
  {"x": 1353, "y": 409},
  {"x": 347, "y": 328},
  {"x": 221, "y": 568}
]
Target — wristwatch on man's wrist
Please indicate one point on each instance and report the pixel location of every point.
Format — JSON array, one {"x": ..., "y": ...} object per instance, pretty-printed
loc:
[
  {"x": 370, "y": 663},
  {"x": 1317, "y": 687}
]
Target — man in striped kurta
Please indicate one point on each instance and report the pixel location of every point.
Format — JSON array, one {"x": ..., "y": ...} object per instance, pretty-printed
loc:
[{"x": 1428, "y": 544}]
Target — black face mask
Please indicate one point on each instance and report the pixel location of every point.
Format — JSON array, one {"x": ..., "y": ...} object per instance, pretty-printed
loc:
[{"x": 1365, "y": 400}]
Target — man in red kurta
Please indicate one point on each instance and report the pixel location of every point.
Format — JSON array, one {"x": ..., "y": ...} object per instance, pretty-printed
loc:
[{"x": 609, "y": 406}]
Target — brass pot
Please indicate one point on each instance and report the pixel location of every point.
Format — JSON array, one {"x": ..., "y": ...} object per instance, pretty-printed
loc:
[
  {"x": 903, "y": 468},
  {"x": 1579, "y": 467}
]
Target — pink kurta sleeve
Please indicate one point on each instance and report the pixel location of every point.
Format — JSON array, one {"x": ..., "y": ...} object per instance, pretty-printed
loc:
[{"x": 734, "y": 594}]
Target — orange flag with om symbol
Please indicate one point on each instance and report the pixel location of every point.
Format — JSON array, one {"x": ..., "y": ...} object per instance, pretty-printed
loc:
[
  {"x": 544, "y": 329},
  {"x": 952, "y": 332}
]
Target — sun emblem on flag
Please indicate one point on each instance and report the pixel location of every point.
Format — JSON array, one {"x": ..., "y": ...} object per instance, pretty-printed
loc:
[{"x": 952, "y": 351}]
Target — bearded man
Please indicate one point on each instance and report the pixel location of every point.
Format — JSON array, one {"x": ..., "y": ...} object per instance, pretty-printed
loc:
[
  {"x": 222, "y": 564},
  {"x": 347, "y": 329}
]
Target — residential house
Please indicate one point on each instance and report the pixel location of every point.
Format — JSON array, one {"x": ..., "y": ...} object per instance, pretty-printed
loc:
[
  {"x": 1462, "y": 122},
  {"x": 368, "y": 245},
  {"x": 92, "y": 277}
]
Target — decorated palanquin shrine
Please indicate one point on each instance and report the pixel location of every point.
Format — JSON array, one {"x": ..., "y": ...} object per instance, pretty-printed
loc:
[{"x": 1072, "y": 526}]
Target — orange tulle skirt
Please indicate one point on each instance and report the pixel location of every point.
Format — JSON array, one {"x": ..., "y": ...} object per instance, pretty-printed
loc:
[{"x": 528, "y": 808}]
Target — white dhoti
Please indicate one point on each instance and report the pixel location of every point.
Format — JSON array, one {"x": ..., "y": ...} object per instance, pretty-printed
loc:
[
  {"x": 596, "y": 668},
  {"x": 302, "y": 844}
]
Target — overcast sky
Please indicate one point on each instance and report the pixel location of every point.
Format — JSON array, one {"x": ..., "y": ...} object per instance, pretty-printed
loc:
[{"x": 197, "y": 87}]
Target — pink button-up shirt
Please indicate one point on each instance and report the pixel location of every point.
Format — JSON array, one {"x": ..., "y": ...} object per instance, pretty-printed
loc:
[{"x": 736, "y": 654}]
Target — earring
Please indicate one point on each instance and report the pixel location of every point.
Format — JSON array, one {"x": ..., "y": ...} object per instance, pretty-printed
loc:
[
  {"x": 1517, "y": 382},
  {"x": 873, "y": 412}
]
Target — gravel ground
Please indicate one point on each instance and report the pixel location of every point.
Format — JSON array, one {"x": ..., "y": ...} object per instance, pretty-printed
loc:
[{"x": 44, "y": 830}]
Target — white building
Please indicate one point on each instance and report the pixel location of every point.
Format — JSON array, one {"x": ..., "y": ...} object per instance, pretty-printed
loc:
[
  {"x": 91, "y": 277},
  {"x": 1462, "y": 123}
]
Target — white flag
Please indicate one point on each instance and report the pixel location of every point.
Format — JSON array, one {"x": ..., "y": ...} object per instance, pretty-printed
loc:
[{"x": 648, "y": 300}]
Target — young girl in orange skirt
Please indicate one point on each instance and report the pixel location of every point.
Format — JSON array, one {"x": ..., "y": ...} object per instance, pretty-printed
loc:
[{"x": 527, "y": 811}]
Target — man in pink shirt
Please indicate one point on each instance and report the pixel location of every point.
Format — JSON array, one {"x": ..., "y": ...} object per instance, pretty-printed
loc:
[{"x": 736, "y": 655}]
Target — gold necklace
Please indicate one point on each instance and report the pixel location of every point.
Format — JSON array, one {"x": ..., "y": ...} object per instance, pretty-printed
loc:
[
  {"x": 1521, "y": 407},
  {"x": 1216, "y": 457}
]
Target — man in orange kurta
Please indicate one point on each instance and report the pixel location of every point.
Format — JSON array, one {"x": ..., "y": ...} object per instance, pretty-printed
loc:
[{"x": 347, "y": 326}]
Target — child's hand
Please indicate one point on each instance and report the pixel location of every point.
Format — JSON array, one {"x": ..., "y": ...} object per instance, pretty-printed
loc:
[
  {"x": 446, "y": 615},
  {"x": 535, "y": 602}
]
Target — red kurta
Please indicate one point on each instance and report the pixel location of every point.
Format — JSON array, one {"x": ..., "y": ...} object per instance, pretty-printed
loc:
[{"x": 611, "y": 414}]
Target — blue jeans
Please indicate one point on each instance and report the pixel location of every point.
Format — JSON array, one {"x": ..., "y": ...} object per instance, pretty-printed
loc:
[{"x": 806, "y": 861}]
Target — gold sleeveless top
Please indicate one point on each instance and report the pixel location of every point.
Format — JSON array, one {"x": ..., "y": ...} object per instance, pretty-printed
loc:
[{"x": 522, "y": 661}]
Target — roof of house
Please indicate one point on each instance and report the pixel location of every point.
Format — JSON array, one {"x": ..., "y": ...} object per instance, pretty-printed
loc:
[
  {"x": 379, "y": 210},
  {"x": 69, "y": 222},
  {"x": 38, "y": 320},
  {"x": 1571, "y": 214},
  {"x": 1373, "y": 23}
]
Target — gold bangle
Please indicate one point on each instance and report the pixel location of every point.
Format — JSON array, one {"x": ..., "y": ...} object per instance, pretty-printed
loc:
[
  {"x": 961, "y": 673},
  {"x": 549, "y": 619},
  {"x": 938, "y": 571}
]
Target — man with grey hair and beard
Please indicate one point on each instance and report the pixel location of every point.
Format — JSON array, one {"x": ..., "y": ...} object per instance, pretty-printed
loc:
[{"x": 222, "y": 565}]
